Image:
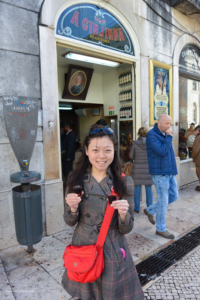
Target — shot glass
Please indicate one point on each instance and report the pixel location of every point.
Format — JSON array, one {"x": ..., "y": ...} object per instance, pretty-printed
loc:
[
  {"x": 77, "y": 189},
  {"x": 112, "y": 198}
]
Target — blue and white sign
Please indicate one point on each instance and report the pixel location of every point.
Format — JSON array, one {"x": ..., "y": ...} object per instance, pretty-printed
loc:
[{"x": 91, "y": 24}]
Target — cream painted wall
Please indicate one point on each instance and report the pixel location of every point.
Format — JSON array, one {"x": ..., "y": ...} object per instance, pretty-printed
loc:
[
  {"x": 88, "y": 120},
  {"x": 94, "y": 95},
  {"x": 110, "y": 91}
]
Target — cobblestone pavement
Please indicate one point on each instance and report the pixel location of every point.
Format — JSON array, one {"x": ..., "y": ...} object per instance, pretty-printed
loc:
[{"x": 181, "y": 281}]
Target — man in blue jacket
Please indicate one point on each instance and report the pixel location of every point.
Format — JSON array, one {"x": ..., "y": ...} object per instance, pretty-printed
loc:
[{"x": 162, "y": 167}]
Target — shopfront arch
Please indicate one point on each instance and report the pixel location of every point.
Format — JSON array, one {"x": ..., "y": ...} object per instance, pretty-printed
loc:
[
  {"x": 49, "y": 15},
  {"x": 51, "y": 11},
  {"x": 183, "y": 40}
]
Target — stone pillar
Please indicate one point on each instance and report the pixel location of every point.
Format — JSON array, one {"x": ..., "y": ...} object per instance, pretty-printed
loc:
[
  {"x": 145, "y": 104},
  {"x": 53, "y": 184}
]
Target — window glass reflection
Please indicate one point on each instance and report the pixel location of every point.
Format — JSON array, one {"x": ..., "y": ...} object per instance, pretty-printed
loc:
[{"x": 189, "y": 98}]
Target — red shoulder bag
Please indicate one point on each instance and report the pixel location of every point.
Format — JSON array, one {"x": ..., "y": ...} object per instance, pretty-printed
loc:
[{"x": 86, "y": 263}]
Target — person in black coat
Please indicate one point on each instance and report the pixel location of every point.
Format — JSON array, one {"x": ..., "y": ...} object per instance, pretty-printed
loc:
[{"x": 69, "y": 145}]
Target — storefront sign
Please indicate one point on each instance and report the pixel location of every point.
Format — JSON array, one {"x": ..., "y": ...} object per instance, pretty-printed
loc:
[
  {"x": 160, "y": 90},
  {"x": 89, "y": 23},
  {"x": 21, "y": 118},
  {"x": 190, "y": 60}
]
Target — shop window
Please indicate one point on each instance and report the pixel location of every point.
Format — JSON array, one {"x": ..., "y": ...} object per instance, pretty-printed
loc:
[{"x": 188, "y": 115}]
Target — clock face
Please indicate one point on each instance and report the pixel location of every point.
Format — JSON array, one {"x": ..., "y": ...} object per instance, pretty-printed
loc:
[{"x": 183, "y": 111}]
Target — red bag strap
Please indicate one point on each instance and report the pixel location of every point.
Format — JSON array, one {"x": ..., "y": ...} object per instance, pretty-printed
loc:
[{"x": 106, "y": 222}]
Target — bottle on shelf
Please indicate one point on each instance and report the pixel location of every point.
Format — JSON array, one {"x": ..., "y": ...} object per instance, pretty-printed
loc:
[
  {"x": 127, "y": 110},
  {"x": 130, "y": 75},
  {"x": 130, "y": 94},
  {"x": 128, "y": 97},
  {"x": 122, "y": 79},
  {"x": 130, "y": 113},
  {"x": 120, "y": 112},
  {"x": 127, "y": 76},
  {"x": 123, "y": 111},
  {"x": 125, "y": 94}
]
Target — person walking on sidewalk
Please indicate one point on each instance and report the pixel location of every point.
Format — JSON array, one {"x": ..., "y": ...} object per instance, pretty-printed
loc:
[
  {"x": 140, "y": 171},
  {"x": 196, "y": 154},
  {"x": 162, "y": 167},
  {"x": 97, "y": 171}
]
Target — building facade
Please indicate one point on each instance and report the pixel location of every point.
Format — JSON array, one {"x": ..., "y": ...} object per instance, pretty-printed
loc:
[{"x": 164, "y": 70}]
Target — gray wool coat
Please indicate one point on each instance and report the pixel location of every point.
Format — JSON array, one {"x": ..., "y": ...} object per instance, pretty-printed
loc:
[
  {"x": 119, "y": 279},
  {"x": 140, "y": 171}
]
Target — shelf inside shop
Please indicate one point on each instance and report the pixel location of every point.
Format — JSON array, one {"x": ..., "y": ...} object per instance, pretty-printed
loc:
[
  {"x": 125, "y": 94},
  {"x": 125, "y": 77}
]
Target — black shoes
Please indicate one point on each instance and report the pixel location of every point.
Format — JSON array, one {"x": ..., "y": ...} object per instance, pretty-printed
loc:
[{"x": 137, "y": 211}]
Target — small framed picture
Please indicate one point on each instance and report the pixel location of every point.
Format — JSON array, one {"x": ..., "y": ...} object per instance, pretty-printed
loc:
[
  {"x": 77, "y": 83},
  {"x": 160, "y": 90},
  {"x": 96, "y": 111}
]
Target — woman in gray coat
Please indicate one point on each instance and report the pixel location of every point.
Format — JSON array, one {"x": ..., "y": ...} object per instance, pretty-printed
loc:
[
  {"x": 98, "y": 170},
  {"x": 140, "y": 171}
]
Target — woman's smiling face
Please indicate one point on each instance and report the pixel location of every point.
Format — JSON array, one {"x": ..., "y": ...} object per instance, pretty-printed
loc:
[{"x": 100, "y": 153}]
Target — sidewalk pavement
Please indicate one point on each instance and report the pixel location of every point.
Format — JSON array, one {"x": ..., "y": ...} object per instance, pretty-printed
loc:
[
  {"x": 38, "y": 276},
  {"x": 181, "y": 281}
]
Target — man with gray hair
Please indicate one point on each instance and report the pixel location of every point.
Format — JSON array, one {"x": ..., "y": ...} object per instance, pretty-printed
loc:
[
  {"x": 196, "y": 154},
  {"x": 162, "y": 167},
  {"x": 77, "y": 88}
]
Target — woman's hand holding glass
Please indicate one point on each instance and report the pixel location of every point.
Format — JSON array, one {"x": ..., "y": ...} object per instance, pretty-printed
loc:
[
  {"x": 73, "y": 201},
  {"x": 123, "y": 207}
]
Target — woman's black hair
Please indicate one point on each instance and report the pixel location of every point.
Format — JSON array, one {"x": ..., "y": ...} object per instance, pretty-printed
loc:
[{"x": 76, "y": 176}]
